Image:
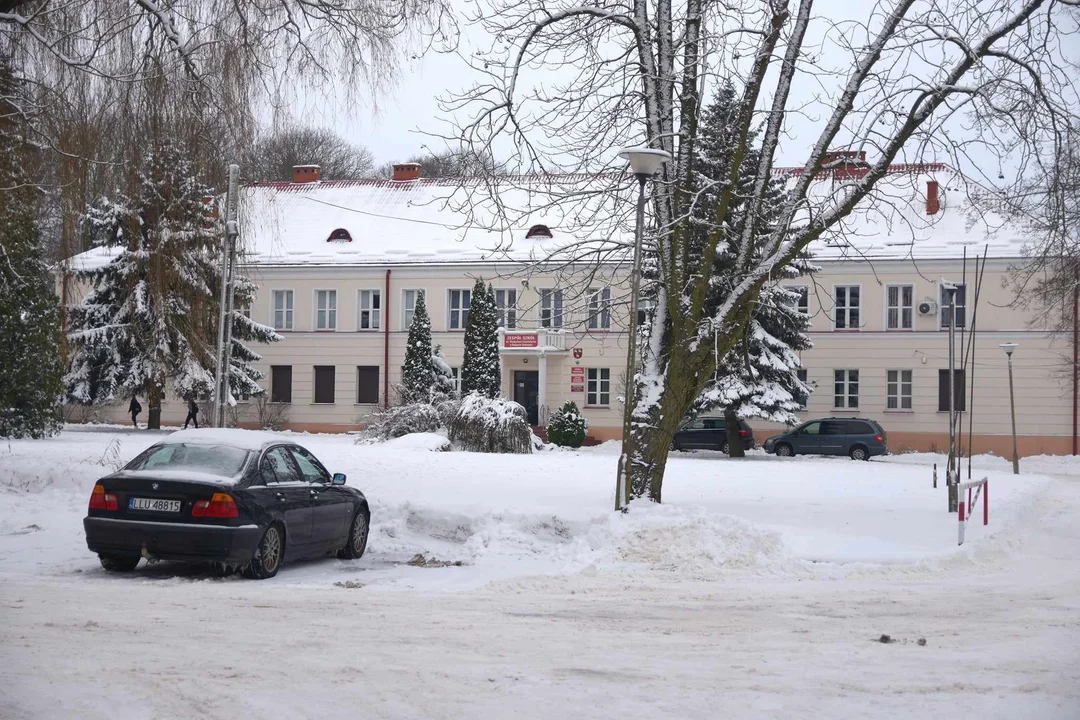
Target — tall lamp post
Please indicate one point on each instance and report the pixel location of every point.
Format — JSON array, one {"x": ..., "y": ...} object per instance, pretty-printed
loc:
[
  {"x": 644, "y": 162},
  {"x": 952, "y": 474},
  {"x": 1008, "y": 348}
]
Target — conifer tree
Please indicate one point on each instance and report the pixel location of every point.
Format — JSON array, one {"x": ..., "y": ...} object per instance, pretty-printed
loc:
[
  {"x": 442, "y": 386},
  {"x": 151, "y": 314},
  {"x": 480, "y": 366},
  {"x": 416, "y": 374}
]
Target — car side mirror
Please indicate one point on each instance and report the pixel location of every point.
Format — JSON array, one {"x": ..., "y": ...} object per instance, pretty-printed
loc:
[{"x": 339, "y": 479}]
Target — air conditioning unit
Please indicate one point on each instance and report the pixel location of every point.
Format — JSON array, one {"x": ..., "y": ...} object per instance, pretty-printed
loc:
[{"x": 928, "y": 307}]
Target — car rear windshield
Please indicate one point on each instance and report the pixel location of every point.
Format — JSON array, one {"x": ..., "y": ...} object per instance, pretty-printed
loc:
[{"x": 220, "y": 460}]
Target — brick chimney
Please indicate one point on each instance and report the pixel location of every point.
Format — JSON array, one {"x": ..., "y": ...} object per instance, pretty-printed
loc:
[
  {"x": 845, "y": 163},
  {"x": 407, "y": 171},
  {"x": 933, "y": 203},
  {"x": 306, "y": 173}
]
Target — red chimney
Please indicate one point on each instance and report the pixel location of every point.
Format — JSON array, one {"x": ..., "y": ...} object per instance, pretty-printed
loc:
[
  {"x": 306, "y": 173},
  {"x": 933, "y": 204},
  {"x": 407, "y": 171},
  {"x": 845, "y": 163}
]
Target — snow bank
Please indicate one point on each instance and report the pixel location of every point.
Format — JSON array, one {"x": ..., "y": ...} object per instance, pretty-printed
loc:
[{"x": 431, "y": 442}]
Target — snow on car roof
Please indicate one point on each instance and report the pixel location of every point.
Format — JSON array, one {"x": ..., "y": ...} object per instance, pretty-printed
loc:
[{"x": 253, "y": 440}]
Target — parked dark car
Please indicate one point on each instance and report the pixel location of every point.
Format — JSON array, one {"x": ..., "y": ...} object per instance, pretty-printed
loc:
[
  {"x": 709, "y": 433},
  {"x": 858, "y": 438},
  {"x": 235, "y": 498}
]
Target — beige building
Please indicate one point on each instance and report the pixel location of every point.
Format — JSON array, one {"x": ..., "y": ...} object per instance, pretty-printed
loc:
[{"x": 339, "y": 265}]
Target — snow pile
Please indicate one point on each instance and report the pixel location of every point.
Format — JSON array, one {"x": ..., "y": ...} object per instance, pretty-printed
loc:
[{"x": 429, "y": 441}]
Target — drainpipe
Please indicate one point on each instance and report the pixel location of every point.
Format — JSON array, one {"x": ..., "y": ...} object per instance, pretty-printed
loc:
[{"x": 386, "y": 342}]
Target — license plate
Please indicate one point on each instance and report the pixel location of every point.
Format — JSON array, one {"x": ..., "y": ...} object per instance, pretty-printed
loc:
[{"x": 154, "y": 505}]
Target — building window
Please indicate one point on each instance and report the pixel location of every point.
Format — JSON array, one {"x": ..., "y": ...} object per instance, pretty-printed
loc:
[
  {"x": 599, "y": 387},
  {"x": 899, "y": 304},
  {"x": 600, "y": 309},
  {"x": 408, "y": 307},
  {"x": 326, "y": 309},
  {"x": 281, "y": 383},
  {"x": 283, "y": 309},
  {"x": 646, "y": 309},
  {"x": 369, "y": 310},
  {"x": 367, "y": 384},
  {"x": 506, "y": 308},
  {"x": 324, "y": 384},
  {"x": 244, "y": 309},
  {"x": 845, "y": 389},
  {"x": 459, "y": 308},
  {"x": 898, "y": 390},
  {"x": 958, "y": 391},
  {"x": 961, "y": 306},
  {"x": 846, "y": 312},
  {"x": 456, "y": 372},
  {"x": 551, "y": 309},
  {"x": 801, "y": 397},
  {"x": 802, "y": 302}
]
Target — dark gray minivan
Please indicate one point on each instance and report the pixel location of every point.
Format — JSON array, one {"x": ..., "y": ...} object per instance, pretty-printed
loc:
[{"x": 858, "y": 438}]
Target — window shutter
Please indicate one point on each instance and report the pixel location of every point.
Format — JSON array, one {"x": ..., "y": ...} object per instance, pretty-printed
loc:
[
  {"x": 324, "y": 384},
  {"x": 281, "y": 383},
  {"x": 367, "y": 384},
  {"x": 958, "y": 390}
]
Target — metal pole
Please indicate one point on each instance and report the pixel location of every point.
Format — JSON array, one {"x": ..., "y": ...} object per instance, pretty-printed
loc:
[
  {"x": 1012, "y": 409},
  {"x": 950, "y": 473},
  {"x": 228, "y": 252},
  {"x": 622, "y": 490}
]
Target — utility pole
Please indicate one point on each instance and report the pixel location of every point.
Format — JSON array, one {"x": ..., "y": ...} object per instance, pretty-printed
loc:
[
  {"x": 1008, "y": 348},
  {"x": 952, "y": 476},
  {"x": 228, "y": 261}
]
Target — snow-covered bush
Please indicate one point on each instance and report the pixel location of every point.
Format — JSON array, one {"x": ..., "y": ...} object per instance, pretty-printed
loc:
[
  {"x": 567, "y": 426},
  {"x": 492, "y": 425},
  {"x": 403, "y": 420},
  {"x": 447, "y": 408}
]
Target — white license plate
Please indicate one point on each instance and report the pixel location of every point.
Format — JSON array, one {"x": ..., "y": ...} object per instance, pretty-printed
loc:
[{"x": 154, "y": 505}]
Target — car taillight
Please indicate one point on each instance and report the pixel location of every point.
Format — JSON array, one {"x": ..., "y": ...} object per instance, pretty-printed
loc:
[
  {"x": 101, "y": 500},
  {"x": 879, "y": 439},
  {"x": 219, "y": 506},
  {"x": 744, "y": 433}
]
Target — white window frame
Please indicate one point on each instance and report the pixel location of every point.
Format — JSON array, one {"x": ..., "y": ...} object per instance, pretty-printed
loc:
[
  {"x": 406, "y": 317},
  {"x": 804, "y": 293},
  {"x": 456, "y": 372},
  {"x": 847, "y": 394},
  {"x": 328, "y": 310},
  {"x": 510, "y": 310},
  {"x": 645, "y": 307},
  {"x": 599, "y": 308},
  {"x": 847, "y": 308},
  {"x": 942, "y": 323},
  {"x": 462, "y": 312},
  {"x": 556, "y": 312},
  {"x": 805, "y": 378},
  {"x": 593, "y": 398},
  {"x": 289, "y": 313},
  {"x": 900, "y": 308},
  {"x": 897, "y": 392},
  {"x": 374, "y": 314}
]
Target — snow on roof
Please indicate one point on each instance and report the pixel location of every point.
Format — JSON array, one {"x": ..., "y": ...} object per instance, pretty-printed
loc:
[
  {"x": 455, "y": 221},
  {"x": 233, "y": 437}
]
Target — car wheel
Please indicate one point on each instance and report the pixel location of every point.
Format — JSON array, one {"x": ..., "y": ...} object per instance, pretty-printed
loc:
[
  {"x": 725, "y": 448},
  {"x": 784, "y": 450},
  {"x": 119, "y": 563},
  {"x": 675, "y": 447},
  {"x": 358, "y": 537},
  {"x": 859, "y": 453},
  {"x": 267, "y": 558}
]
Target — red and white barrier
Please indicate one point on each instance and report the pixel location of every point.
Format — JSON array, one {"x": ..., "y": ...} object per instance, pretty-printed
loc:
[{"x": 980, "y": 487}]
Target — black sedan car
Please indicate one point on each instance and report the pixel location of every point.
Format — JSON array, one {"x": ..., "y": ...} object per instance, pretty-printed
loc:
[
  {"x": 236, "y": 498},
  {"x": 709, "y": 433}
]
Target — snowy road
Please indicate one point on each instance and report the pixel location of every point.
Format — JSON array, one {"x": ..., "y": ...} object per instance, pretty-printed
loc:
[{"x": 616, "y": 627}]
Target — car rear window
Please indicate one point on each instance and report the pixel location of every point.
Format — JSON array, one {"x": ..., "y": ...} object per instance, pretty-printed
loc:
[
  {"x": 859, "y": 428},
  {"x": 214, "y": 459}
]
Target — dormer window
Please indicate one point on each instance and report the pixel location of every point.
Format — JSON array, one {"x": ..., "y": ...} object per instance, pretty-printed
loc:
[
  {"x": 538, "y": 231},
  {"x": 340, "y": 235}
]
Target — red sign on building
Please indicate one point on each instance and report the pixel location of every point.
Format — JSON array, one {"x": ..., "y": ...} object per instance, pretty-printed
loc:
[
  {"x": 577, "y": 370},
  {"x": 577, "y": 388},
  {"x": 520, "y": 340}
]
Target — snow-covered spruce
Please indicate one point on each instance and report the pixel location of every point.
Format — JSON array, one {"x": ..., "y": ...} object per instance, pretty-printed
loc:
[
  {"x": 567, "y": 426},
  {"x": 491, "y": 425},
  {"x": 417, "y": 377},
  {"x": 480, "y": 365},
  {"x": 151, "y": 314}
]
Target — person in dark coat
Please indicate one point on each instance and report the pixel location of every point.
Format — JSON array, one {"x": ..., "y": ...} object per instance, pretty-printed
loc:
[
  {"x": 192, "y": 414},
  {"x": 135, "y": 408}
]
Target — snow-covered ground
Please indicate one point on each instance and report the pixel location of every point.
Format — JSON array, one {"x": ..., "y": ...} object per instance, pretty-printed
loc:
[{"x": 758, "y": 589}]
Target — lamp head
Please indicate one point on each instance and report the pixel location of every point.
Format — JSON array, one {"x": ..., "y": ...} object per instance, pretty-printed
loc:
[
  {"x": 643, "y": 160},
  {"x": 1008, "y": 348}
]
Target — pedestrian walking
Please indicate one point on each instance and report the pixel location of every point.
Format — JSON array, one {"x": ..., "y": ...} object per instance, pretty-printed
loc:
[
  {"x": 192, "y": 414},
  {"x": 135, "y": 408}
]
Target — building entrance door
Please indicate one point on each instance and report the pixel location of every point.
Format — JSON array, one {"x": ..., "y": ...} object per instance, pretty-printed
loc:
[{"x": 527, "y": 393}]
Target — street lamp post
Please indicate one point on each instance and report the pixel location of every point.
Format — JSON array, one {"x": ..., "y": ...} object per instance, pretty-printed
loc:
[
  {"x": 644, "y": 162},
  {"x": 1008, "y": 348},
  {"x": 952, "y": 474}
]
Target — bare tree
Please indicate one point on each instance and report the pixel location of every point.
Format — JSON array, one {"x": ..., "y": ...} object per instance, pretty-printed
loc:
[
  {"x": 899, "y": 80},
  {"x": 273, "y": 156},
  {"x": 460, "y": 163}
]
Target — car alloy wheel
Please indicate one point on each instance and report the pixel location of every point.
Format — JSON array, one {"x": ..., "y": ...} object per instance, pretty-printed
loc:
[
  {"x": 784, "y": 450},
  {"x": 267, "y": 559},
  {"x": 859, "y": 453},
  {"x": 358, "y": 537}
]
